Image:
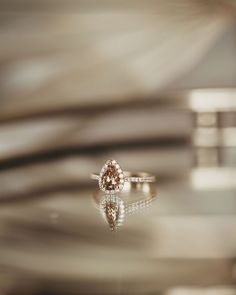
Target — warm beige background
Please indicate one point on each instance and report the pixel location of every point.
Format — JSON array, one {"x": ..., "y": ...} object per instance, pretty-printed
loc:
[{"x": 85, "y": 81}]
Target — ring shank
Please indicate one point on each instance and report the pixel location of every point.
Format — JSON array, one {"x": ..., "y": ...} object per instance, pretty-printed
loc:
[{"x": 132, "y": 177}]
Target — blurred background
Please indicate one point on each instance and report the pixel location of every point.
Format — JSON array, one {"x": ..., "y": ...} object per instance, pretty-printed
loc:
[{"x": 151, "y": 84}]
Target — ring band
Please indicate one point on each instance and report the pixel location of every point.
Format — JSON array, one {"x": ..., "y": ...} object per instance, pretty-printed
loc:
[{"x": 111, "y": 179}]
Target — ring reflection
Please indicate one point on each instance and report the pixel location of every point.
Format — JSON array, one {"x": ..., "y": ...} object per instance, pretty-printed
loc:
[{"x": 134, "y": 199}]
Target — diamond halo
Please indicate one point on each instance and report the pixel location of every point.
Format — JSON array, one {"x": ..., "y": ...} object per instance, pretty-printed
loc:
[{"x": 111, "y": 178}]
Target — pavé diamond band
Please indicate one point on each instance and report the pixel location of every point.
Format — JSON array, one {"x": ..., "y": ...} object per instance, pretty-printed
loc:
[{"x": 112, "y": 178}]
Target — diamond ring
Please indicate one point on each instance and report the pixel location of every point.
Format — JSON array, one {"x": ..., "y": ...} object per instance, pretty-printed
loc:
[{"x": 112, "y": 178}]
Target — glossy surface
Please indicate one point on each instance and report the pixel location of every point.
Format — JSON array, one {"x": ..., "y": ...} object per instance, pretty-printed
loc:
[{"x": 56, "y": 234}]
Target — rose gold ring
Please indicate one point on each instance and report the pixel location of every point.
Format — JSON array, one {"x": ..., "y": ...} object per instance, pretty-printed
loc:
[{"x": 112, "y": 178}]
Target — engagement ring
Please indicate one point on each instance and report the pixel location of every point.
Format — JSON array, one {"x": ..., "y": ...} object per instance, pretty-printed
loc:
[{"x": 112, "y": 178}]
